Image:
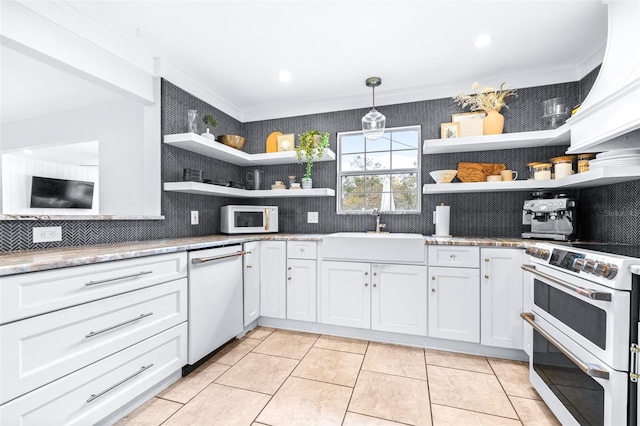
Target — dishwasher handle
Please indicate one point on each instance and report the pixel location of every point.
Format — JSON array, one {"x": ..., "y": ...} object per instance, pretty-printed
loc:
[{"x": 199, "y": 260}]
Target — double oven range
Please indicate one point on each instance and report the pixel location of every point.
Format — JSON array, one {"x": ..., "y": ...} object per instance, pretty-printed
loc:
[{"x": 582, "y": 307}]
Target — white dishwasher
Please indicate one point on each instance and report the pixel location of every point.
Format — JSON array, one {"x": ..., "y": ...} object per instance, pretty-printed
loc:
[{"x": 215, "y": 299}]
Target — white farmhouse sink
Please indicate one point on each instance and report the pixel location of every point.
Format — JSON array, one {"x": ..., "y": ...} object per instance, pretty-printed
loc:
[{"x": 372, "y": 247}]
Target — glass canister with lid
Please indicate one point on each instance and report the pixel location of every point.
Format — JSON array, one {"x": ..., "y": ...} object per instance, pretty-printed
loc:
[
  {"x": 531, "y": 171},
  {"x": 542, "y": 171},
  {"x": 583, "y": 161},
  {"x": 562, "y": 166}
]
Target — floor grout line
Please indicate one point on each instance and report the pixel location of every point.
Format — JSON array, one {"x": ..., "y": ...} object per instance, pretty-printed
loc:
[{"x": 344, "y": 416}]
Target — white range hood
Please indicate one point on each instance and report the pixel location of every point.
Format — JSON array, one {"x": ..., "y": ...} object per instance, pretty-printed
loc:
[{"x": 609, "y": 117}]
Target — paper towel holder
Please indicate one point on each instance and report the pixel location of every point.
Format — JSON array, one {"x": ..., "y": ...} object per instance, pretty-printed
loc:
[{"x": 442, "y": 225}]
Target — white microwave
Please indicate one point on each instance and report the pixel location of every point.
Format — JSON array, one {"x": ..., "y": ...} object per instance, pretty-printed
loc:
[{"x": 248, "y": 219}]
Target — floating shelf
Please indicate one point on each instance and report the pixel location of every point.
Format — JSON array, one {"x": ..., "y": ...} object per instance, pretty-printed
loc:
[
  {"x": 595, "y": 177},
  {"x": 559, "y": 136},
  {"x": 201, "y": 145},
  {"x": 224, "y": 191}
]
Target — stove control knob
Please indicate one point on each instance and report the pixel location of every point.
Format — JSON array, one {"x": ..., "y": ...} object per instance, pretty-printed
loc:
[
  {"x": 589, "y": 266},
  {"x": 606, "y": 270},
  {"x": 578, "y": 264}
]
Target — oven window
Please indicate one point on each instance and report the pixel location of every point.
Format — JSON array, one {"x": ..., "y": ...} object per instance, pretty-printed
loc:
[
  {"x": 248, "y": 219},
  {"x": 581, "y": 395},
  {"x": 587, "y": 320}
]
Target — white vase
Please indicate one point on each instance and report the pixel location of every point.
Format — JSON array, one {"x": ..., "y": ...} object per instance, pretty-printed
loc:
[
  {"x": 209, "y": 135},
  {"x": 307, "y": 183}
]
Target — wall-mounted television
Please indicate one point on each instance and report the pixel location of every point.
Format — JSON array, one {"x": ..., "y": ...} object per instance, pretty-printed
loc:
[{"x": 49, "y": 193}]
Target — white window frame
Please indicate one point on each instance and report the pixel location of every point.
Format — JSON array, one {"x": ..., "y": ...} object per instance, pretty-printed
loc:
[{"x": 417, "y": 170}]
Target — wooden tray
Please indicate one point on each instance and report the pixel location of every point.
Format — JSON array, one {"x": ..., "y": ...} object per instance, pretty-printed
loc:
[{"x": 478, "y": 172}]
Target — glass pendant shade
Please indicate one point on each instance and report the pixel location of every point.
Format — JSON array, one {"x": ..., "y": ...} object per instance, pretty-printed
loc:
[{"x": 373, "y": 124}]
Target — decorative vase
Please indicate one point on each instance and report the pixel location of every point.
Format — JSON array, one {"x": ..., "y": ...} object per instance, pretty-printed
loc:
[
  {"x": 209, "y": 135},
  {"x": 307, "y": 183},
  {"x": 493, "y": 123}
]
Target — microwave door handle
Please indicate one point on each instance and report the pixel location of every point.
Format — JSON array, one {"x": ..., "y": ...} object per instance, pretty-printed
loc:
[
  {"x": 592, "y": 370},
  {"x": 585, "y": 292},
  {"x": 266, "y": 213}
]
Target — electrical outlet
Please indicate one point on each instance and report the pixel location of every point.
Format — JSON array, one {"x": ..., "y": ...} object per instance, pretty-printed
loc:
[
  {"x": 312, "y": 217},
  {"x": 47, "y": 234},
  {"x": 194, "y": 217}
]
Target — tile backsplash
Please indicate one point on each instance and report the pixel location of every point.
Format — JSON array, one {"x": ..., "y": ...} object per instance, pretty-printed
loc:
[{"x": 607, "y": 213}]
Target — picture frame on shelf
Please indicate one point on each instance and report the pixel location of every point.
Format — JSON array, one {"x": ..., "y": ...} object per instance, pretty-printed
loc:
[
  {"x": 449, "y": 130},
  {"x": 470, "y": 123},
  {"x": 286, "y": 142}
]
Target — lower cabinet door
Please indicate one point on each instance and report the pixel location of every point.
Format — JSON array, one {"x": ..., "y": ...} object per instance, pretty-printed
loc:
[
  {"x": 96, "y": 391},
  {"x": 251, "y": 281},
  {"x": 454, "y": 303},
  {"x": 273, "y": 279},
  {"x": 399, "y": 298},
  {"x": 345, "y": 296},
  {"x": 301, "y": 290}
]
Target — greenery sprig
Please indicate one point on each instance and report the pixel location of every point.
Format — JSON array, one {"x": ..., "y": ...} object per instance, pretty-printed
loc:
[
  {"x": 486, "y": 99},
  {"x": 312, "y": 144}
]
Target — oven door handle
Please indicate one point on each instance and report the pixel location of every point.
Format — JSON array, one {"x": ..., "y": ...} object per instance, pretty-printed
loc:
[
  {"x": 592, "y": 370},
  {"x": 585, "y": 292}
]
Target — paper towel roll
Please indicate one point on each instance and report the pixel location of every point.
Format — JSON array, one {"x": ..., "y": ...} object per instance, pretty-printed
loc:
[{"x": 441, "y": 219}]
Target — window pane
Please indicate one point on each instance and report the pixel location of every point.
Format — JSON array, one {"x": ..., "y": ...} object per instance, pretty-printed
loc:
[
  {"x": 406, "y": 139},
  {"x": 404, "y": 182},
  {"x": 407, "y": 159},
  {"x": 352, "y": 162},
  {"x": 352, "y": 184},
  {"x": 353, "y": 202},
  {"x": 381, "y": 144},
  {"x": 405, "y": 200},
  {"x": 378, "y": 161},
  {"x": 372, "y": 201},
  {"x": 352, "y": 143},
  {"x": 374, "y": 183}
]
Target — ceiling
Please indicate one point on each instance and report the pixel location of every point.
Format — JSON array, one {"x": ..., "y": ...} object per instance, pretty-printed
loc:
[{"x": 420, "y": 49}]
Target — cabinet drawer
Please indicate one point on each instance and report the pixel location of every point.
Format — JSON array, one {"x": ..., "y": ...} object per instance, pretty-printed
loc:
[
  {"x": 38, "y": 350},
  {"x": 35, "y": 293},
  {"x": 301, "y": 250},
  {"x": 96, "y": 391},
  {"x": 454, "y": 256}
]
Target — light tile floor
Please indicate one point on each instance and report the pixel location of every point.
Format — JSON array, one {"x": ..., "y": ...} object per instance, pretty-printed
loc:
[{"x": 278, "y": 377}]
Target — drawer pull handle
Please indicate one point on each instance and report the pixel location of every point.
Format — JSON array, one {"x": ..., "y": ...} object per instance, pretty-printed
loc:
[
  {"x": 90, "y": 283},
  {"x": 126, "y": 379},
  {"x": 249, "y": 266},
  {"x": 94, "y": 333},
  {"x": 214, "y": 258}
]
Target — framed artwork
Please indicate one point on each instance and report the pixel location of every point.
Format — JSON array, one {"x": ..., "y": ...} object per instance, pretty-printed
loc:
[
  {"x": 470, "y": 123},
  {"x": 286, "y": 142},
  {"x": 449, "y": 130}
]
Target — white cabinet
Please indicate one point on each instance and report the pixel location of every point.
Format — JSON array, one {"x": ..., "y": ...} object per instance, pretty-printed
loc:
[
  {"x": 454, "y": 256},
  {"x": 273, "y": 279},
  {"x": 399, "y": 298},
  {"x": 251, "y": 281},
  {"x": 301, "y": 289},
  {"x": 454, "y": 303},
  {"x": 501, "y": 297},
  {"x": 377, "y": 296},
  {"x": 344, "y": 294}
]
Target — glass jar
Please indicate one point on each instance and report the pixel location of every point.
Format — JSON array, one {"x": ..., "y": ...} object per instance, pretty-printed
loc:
[
  {"x": 531, "y": 170},
  {"x": 542, "y": 171},
  {"x": 562, "y": 166},
  {"x": 583, "y": 162}
]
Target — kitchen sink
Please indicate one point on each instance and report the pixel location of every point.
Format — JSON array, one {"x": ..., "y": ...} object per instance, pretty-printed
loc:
[{"x": 372, "y": 247}]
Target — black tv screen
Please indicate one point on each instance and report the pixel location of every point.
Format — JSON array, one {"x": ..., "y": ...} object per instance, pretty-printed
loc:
[{"x": 49, "y": 193}]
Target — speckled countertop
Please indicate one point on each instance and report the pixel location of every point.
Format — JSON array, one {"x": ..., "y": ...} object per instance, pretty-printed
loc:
[{"x": 39, "y": 260}]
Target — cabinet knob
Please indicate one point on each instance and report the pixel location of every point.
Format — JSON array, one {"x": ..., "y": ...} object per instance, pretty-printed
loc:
[
  {"x": 289, "y": 278},
  {"x": 433, "y": 290},
  {"x": 289, "y": 268},
  {"x": 452, "y": 257},
  {"x": 366, "y": 273},
  {"x": 366, "y": 284},
  {"x": 433, "y": 278},
  {"x": 486, "y": 260},
  {"x": 375, "y": 285},
  {"x": 249, "y": 266},
  {"x": 486, "y": 277},
  {"x": 375, "y": 274}
]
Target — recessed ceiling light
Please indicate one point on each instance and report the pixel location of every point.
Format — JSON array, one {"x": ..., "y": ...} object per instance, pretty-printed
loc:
[
  {"x": 483, "y": 40},
  {"x": 284, "y": 76}
]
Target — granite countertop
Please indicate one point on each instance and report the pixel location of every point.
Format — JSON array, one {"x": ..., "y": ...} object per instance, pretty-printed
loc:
[{"x": 39, "y": 260}]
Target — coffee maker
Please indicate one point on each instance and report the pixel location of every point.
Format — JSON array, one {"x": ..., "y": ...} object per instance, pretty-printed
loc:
[{"x": 551, "y": 217}]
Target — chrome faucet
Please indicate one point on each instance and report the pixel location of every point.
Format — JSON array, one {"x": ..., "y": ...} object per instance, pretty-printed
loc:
[{"x": 376, "y": 213}]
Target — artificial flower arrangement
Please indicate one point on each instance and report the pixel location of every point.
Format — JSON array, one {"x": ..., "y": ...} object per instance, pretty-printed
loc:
[{"x": 486, "y": 99}]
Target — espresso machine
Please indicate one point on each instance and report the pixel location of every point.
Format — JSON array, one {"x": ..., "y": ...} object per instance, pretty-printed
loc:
[{"x": 550, "y": 217}]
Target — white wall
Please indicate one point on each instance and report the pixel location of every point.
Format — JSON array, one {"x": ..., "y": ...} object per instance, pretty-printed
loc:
[{"x": 16, "y": 194}]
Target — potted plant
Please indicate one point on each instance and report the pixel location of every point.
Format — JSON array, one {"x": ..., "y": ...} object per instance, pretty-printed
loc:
[
  {"x": 210, "y": 122},
  {"x": 311, "y": 145},
  {"x": 489, "y": 100}
]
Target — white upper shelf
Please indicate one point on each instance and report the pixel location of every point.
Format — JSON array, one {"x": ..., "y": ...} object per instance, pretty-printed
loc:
[
  {"x": 559, "y": 136},
  {"x": 595, "y": 177},
  {"x": 224, "y": 191},
  {"x": 201, "y": 145}
]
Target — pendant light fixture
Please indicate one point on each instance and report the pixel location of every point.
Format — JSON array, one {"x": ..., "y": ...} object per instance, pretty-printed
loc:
[{"x": 373, "y": 123}]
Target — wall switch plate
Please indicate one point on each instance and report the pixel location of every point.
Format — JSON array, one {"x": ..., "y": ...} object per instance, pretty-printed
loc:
[
  {"x": 194, "y": 217},
  {"x": 312, "y": 217},
  {"x": 47, "y": 234}
]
